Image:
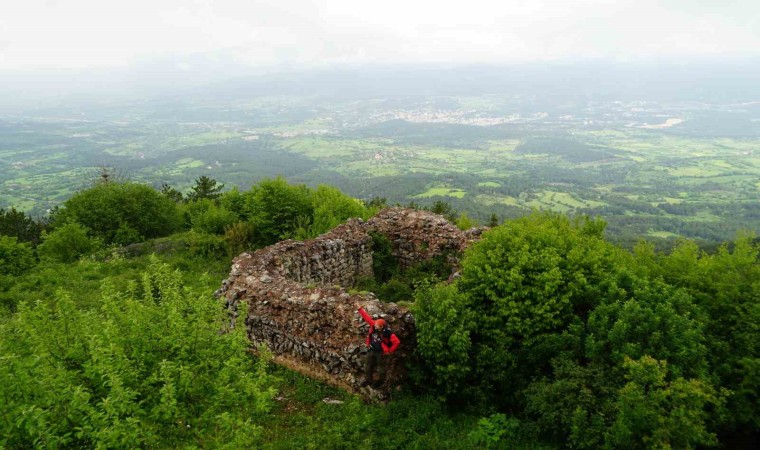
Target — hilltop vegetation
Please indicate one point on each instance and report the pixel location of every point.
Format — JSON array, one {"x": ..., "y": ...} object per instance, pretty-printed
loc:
[
  {"x": 660, "y": 169},
  {"x": 552, "y": 336}
]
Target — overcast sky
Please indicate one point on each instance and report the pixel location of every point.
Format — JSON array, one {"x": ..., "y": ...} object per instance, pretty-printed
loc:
[{"x": 45, "y": 34}]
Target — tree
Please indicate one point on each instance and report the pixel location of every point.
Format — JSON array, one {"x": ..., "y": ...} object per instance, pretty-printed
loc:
[
  {"x": 464, "y": 222},
  {"x": 108, "y": 174},
  {"x": 171, "y": 193},
  {"x": 16, "y": 223},
  {"x": 208, "y": 217},
  {"x": 121, "y": 213},
  {"x": 444, "y": 209},
  {"x": 332, "y": 208},
  {"x": 726, "y": 285},
  {"x": 376, "y": 203},
  {"x": 15, "y": 257},
  {"x": 545, "y": 316},
  {"x": 656, "y": 413},
  {"x": 277, "y": 209},
  {"x": 445, "y": 326},
  {"x": 523, "y": 284},
  {"x": 205, "y": 187},
  {"x": 67, "y": 243},
  {"x": 493, "y": 221}
]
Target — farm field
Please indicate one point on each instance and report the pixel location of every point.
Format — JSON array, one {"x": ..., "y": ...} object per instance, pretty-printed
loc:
[{"x": 479, "y": 154}]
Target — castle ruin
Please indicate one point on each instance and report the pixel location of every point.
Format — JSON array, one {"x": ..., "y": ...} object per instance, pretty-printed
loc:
[{"x": 299, "y": 304}]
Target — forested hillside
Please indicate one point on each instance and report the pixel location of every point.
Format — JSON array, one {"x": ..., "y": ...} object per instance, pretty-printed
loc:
[{"x": 552, "y": 337}]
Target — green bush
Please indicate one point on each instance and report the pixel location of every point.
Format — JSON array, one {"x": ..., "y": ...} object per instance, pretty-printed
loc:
[
  {"x": 445, "y": 326},
  {"x": 17, "y": 224},
  {"x": 332, "y": 208},
  {"x": 15, "y": 257},
  {"x": 464, "y": 222},
  {"x": 547, "y": 318},
  {"x": 147, "y": 369},
  {"x": 726, "y": 286},
  {"x": 205, "y": 245},
  {"x": 121, "y": 213},
  {"x": 207, "y": 217},
  {"x": 653, "y": 412},
  {"x": 277, "y": 209},
  {"x": 493, "y": 430},
  {"x": 233, "y": 200},
  {"x": 395, "y": 290},
  {"x": 384, "y": 264},
  {"x": 239, "y": 237},
  {"x": 67, "y": 243}
]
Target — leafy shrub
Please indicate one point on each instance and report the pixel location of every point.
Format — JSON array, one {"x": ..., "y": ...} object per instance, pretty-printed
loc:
[
  {"x": 464, "y": 222},
  {"x": 239, "y": 237},
  {"x": 494, "y": 429},
  {"x": 15, "y": 257},
  {"x": 332, "y": 208},
  {"x": 17, "y": 224},
  {"x": 444, "y": 329},
  {"x": 207, "y": 217},
  {"x": 121, "y": 212},
  {"x": 395, "y": 290},
  {"x": 384, "y": 264},
  {"x": 148, "y": 368},
  {"x": 656, "y": 413},
  {"x": 233, "y": 200},
  {"x": 67, "y": 243},
  {"x": 277, "y": 209},
  {"x": 205, "y": 245},
  {"x": 547, "y": 316},
  {"x": 726, "y": 286}
]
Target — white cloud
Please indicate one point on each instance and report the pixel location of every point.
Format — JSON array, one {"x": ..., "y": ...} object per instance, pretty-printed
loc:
[{"x": 88, "y": 33}]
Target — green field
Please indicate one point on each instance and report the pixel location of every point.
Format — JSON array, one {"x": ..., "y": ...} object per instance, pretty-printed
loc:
[{"x": 669, "y": 180}]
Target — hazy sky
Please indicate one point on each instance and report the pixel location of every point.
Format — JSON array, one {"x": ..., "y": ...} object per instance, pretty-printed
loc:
[{"x": 95, "y": 33}]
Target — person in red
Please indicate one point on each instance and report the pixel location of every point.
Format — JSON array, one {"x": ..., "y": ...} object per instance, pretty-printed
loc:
[{"x": 380, "y": 341}]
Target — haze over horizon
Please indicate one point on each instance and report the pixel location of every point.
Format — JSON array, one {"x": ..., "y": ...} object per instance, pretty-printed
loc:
[{"x": 45, "y": 35}]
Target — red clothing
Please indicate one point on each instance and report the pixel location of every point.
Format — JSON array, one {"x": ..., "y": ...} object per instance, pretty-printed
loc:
[{"x": 390, "y": 344}]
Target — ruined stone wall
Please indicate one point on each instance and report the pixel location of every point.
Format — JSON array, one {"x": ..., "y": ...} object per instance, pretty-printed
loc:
[
  {"x": 417, "y": 235},
  {"x": 297, "y": 304},
  {"x": 336, "y": 258}
]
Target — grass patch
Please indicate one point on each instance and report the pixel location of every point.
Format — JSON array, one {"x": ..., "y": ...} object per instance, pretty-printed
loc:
[
  {"x": 561, "y": 201},
  {"x": 442, "y": 192},
  {"x": 497, "y": 199}
]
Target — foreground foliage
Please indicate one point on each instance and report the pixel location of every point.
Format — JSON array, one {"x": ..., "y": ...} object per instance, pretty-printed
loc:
[
  {"x": 598, "y": 347},
  {"x": 147, "y": 368},
  {"x": 551, "y": 336}
]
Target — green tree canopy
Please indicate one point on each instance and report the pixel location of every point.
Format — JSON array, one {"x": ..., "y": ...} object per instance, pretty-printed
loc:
[
  {"x": 18, "y": 224},
  {"x": 67, "y": 243},
  {"x": 331, "y": 208},
  {"x": 205, "y": 188},
  {"x": 277, "y": 209},
  {"x": 15, "y": 257},
  {"x": 122, "y": 213},
  {"x": 547, "y": 317}
]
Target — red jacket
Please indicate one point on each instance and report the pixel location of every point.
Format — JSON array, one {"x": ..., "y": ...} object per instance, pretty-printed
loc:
[{"x": 390, "y": 344}]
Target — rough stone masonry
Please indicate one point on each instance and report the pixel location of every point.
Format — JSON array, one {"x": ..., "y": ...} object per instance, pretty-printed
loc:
[{"x": 298, "y": 305}]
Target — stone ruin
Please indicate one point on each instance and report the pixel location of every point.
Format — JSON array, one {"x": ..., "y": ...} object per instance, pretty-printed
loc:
[{"x": 299, "y": 306}]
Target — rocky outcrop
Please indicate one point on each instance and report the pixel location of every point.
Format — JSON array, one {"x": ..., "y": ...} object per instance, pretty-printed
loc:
[{"x": 297, "y": 303}]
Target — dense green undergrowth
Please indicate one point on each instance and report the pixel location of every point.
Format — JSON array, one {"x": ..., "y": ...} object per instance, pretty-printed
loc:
[
  {"x": 551, "y": 337},
  {"x": 106, "y": 353}
]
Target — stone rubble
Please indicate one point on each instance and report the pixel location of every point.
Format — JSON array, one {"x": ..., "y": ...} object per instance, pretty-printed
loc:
[{"x": 298, "y": 305}]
